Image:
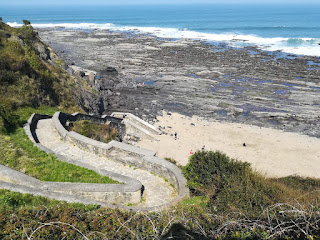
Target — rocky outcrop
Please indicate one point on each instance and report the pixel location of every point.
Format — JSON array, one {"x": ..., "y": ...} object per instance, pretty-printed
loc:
[
  {"x": 248, "y": 85},
  {"x": 92, "y": 102}
]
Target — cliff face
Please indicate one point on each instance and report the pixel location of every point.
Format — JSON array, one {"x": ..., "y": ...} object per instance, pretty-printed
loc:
[{"x": 30, "y": 72}]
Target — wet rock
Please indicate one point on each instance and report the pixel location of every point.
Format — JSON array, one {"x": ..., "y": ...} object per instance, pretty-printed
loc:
[
  {"x": 110, "y": 71},
  {"x": 245, "y": 85}
]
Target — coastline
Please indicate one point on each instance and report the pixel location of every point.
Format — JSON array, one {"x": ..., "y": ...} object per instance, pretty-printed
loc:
[
  {"x": 266, "y": 100},
  {"x": 190, "y": 77}
]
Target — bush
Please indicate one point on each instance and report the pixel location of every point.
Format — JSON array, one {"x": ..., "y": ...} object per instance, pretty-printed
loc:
[
  {"x": 231, "y": 185},
  {"x": 9, "y": 118},
  {"x": 207, "y": 171},
  {"x": 26, "y": 22},
  {"x": 99, "y": 132}
]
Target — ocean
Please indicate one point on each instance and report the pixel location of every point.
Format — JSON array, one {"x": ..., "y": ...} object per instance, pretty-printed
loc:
[{"x": 294, "y": 29}]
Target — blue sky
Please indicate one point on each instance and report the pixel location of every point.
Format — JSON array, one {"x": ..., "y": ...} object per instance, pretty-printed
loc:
[{"x": 131, "y": 2}]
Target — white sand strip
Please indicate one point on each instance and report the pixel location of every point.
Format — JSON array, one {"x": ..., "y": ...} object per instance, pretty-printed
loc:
[{"x": 271, "y": 152}]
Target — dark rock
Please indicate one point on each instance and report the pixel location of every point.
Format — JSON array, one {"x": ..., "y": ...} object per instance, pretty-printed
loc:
[
  {"x": 91, "y": 102},
  {"x": 119, "y": 86},
  {"x": 110, "y": 71},
  {"x": 246, "y": 85}
]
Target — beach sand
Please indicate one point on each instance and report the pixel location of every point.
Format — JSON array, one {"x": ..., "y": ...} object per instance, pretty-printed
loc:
[{"x": 271, "y": 152}]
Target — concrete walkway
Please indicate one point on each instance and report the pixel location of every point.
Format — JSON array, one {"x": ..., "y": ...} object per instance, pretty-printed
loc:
[{"x": 157, "y": 190}]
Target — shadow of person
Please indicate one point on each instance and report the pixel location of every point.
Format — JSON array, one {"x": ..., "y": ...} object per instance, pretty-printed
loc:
[{"x": 178, "y": 231}]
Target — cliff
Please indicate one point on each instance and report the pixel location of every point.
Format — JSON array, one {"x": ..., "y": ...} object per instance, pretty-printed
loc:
[{"x": 31, "y": 74}]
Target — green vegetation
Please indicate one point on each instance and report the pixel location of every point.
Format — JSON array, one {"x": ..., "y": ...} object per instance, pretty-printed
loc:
[
  {"x": 171, "y": 160},
  {"x": 199, "y": 217},
  {"x": 26, "y": 78},
  {"x": 232, "y": 185},
  {"x": 99, "y": 132},
  {"x": 29, "y": 84},
  {"x": 229, "y": 200},
  {"x": 13, "y": 200},
  {"x": 18, "y": 152}
]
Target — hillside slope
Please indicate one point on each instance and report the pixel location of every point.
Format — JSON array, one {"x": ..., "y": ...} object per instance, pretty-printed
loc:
[{"x": 30, "y": 72}]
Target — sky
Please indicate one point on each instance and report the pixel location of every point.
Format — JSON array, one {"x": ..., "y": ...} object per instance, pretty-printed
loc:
[{"x": 133, "y": 2}]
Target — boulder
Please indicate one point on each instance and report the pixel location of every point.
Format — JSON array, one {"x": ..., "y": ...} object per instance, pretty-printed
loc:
[
  {"x": 91, "y": 77},
  {"x": 91, "y": 102},
  {"x": 110, "y": 71}
]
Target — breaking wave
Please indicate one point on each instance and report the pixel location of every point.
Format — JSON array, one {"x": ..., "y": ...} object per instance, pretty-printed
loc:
[{"x": 299, "y": 46}]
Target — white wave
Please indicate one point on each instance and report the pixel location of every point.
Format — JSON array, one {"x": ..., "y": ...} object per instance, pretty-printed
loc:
[{"x": 302, "y": 46}]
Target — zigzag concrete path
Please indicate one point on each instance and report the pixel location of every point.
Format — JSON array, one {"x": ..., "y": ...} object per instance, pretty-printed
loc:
[{"x": 157, "y": 190}]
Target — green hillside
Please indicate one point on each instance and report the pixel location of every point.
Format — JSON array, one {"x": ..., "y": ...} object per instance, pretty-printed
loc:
[
  {"x": 30, "y": 75},
  {"x": 229, "y": 200}
]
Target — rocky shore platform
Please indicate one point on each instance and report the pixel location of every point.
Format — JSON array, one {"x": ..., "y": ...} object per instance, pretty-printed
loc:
[{"x": 144, "y": 74}]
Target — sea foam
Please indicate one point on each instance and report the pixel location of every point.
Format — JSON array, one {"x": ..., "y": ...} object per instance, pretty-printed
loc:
[{"x": 299, "y": 46}]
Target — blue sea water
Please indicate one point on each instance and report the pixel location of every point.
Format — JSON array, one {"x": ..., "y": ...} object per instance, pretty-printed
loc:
[{"x": 290, "y": 28}]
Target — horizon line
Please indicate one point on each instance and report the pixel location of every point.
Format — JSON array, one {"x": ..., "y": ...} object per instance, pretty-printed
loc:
[{"x": 154, "y": 4}]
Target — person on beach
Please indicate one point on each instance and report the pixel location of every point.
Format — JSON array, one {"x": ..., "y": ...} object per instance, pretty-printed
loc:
[
  {"x": 175, "y": 136},
  {"x": 191, "y": 152},
  {"x": 203, "y": 147}
]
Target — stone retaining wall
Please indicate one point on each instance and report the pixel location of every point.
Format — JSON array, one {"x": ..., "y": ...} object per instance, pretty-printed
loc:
[
  {"x": 129, "y": 192},
  {"x": 102, "y": 193},
  {"x": 147, "y": 159},
  {"x": 137, "y": 121},
  {"x": 86, "y": 193},
  {"x": 113, "y": 121}
]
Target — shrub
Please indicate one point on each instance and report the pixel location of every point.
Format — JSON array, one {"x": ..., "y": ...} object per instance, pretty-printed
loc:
[
  {"x": 9, "y": 118},
  {"x": 231, "y": 185},
  {"x": 207, "y": 171},
  {"x": 99, "y": 132},
  {"x": 26, "y": 22}
]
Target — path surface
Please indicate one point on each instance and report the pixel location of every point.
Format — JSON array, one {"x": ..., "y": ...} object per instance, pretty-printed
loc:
[{"x": 157, "y": 190}]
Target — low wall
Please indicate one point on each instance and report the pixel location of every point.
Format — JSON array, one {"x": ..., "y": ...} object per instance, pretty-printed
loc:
[
  {"x": 136, "y": 130},
  {"x": 129, "y": 192},
  {"x": 137, "y": 121},
  {"x": 107, "y": 193},
  {"x": 113, "y": 121},
  {"x": 147, "y": 160}
]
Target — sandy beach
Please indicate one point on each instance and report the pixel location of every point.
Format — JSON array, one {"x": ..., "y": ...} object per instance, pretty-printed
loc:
[
  {"x": 271, "y": 152},
  {"x": 265, "y": 101}
]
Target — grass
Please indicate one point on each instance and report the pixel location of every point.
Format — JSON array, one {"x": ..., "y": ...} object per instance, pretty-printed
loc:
[
  {"x": 99, "y": 132},
  {"x": 201, "y": 201},
  {"x": 26, "y": 112},
  {"x": 10, "y": 200},
  {"x": 18, "y": 152}
]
